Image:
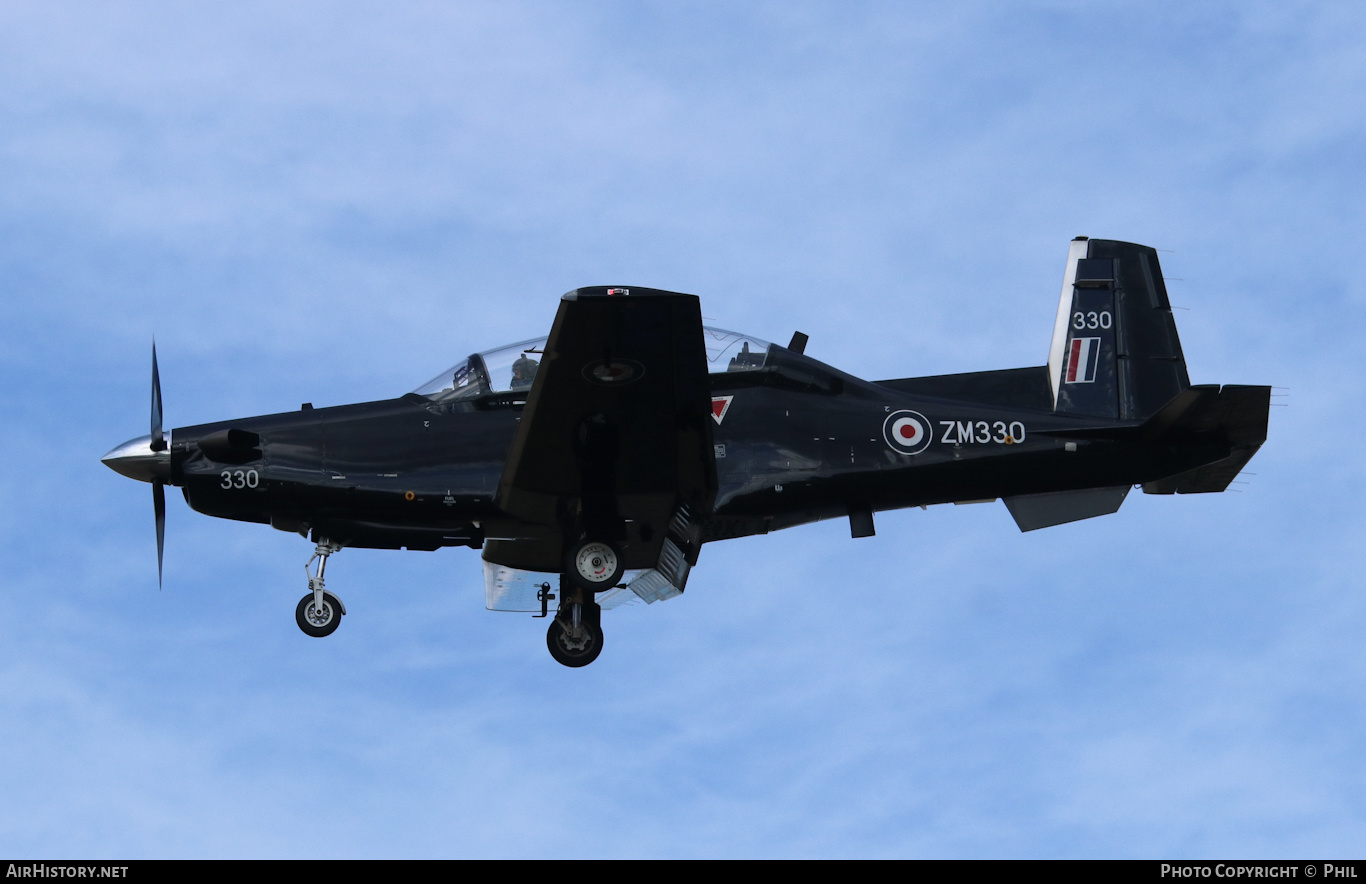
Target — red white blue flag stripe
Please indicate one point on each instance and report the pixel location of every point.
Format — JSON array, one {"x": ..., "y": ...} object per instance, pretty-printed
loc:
[{"x": 1083, "y": 356}]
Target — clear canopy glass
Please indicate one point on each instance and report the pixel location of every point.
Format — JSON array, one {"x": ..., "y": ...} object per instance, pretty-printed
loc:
[
  {"x": 493, "y": 371},
  {"x": 514, "y": 367},
  {"x": 732, "y": 351}
]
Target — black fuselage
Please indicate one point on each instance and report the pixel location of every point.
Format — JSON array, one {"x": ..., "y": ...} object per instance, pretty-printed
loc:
[{"x": 795, "y": 442}]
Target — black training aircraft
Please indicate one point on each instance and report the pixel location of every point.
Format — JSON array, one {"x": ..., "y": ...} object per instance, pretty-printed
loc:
[{"x": 611, "y": 451}]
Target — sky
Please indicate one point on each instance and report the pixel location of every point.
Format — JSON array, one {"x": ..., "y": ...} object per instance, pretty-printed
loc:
[{"x": 331, "y": 202}]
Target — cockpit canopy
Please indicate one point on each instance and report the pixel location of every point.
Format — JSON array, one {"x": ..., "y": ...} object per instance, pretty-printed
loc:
[{"x": 512, "y": 368}]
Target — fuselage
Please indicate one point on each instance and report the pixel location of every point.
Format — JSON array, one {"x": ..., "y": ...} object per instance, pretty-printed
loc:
[{"x": 795, "y": 442}]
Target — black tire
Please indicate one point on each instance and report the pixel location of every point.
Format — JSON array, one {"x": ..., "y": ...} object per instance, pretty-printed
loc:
[
  {"x": 594, "y": 565},
  {"x": 574, "y": 653},
  {"x": 319, "y": 626}
]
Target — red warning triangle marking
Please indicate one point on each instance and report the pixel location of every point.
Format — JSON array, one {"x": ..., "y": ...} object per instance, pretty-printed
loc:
[{"x": 719, "y": 406}]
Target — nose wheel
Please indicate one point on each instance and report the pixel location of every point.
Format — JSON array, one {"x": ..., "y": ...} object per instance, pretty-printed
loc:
[
  {"x": 319, "y": 613},
  {"x": 318, "y": 620}
]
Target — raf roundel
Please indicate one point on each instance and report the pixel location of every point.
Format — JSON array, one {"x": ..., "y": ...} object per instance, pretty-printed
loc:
[
  {"x": 614, "y": 372},
  {"x": 907, "y": 432}
]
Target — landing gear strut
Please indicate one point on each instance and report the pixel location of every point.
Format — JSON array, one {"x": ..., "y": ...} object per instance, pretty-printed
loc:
[
  {"x": 319, "y": 613},
  {"x": 575, "y": 635}
]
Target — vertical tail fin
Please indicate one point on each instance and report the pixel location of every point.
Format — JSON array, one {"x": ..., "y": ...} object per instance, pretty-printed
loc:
[{"x": 1115, "y": 352}]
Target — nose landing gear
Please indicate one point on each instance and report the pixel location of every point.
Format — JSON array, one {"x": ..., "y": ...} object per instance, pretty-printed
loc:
[
  {"x": 318, "y": 620},
  {"x": 319, "y": 613}
]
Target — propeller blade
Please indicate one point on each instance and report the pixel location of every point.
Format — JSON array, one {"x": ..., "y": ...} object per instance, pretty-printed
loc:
[
  {"x": 158, "y": 440},
  {"x": 159, "y": 505}
]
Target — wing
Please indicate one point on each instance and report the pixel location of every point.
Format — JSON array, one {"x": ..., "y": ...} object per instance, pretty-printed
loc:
[{"x": 616, "y": 436}]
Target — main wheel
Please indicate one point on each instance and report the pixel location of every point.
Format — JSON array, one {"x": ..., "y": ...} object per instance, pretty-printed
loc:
[
  {"x": 315, "y": 622},
  {"x": 595, "y": 565},
  {"x": 574, "y": 649}
]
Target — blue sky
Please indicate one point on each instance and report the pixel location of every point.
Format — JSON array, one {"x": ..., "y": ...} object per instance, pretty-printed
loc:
[{"x": 332, "y": 202}]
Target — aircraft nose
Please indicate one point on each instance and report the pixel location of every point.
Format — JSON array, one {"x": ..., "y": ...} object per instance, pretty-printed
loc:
[{"x": 136, "y": 460}]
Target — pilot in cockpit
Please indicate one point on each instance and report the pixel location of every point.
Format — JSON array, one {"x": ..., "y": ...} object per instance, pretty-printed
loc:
[
  {"x": 746, "y": 359},
  {"x": 524, "y": 372}
]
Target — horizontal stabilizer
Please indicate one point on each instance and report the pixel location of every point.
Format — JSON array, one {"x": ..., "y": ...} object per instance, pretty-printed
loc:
[
  {"x": 1192, "y": 412},
  {"x": 1237, "y": 415},
  {"x": 1033, "y": 511},
  {"x": 1207, "y": 479},
  {"x": 1235, "y": 412}
]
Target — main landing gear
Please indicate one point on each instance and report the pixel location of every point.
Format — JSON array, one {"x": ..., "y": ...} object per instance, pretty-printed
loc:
[
  {"x": 594, "y": 564},
  {"x": 319, "y": 613},
  {"x": 575, "y": 635}
]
